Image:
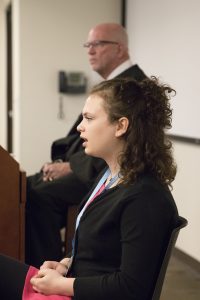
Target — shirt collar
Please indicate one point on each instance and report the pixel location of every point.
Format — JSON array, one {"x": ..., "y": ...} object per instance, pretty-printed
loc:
[{"x": 121, "y": 68}]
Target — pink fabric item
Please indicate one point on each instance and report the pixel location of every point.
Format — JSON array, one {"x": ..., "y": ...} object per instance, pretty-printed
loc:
[
  {"x": 30, "y": 294},
  {"x": 97, "y": 194}
]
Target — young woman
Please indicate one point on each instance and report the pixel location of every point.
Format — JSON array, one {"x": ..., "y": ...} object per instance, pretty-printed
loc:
[{"x": 125, "y": 222}]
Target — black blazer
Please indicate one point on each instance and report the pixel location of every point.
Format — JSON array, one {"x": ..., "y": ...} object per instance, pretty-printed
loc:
[
  {"x": 120, "y": 240},
  {"x": 85, "y": 167}
]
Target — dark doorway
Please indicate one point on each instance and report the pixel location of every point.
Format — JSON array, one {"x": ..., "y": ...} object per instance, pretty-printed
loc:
[{"x": 9, "y": 80}]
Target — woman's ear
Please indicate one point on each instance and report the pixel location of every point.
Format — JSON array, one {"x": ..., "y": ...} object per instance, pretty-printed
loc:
[{"x": 122, "y": 126}]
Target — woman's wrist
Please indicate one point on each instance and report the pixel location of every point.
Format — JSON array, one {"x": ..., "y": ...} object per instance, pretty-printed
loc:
[{"x": 67, "y": 286}]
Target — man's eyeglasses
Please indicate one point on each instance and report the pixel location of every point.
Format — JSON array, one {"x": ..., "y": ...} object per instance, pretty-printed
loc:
[{"x": 98, "y": 43}]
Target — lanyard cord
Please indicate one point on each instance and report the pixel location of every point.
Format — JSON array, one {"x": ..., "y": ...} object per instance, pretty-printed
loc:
[
  {"x": 100, "y": 183},
  {"x": 112, "y": 181}
]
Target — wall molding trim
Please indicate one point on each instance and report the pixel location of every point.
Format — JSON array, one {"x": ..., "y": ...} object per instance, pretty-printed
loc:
[{"x": 184, "y": 139}]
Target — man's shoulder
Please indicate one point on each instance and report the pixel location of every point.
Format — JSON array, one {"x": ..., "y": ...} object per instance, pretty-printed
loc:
[{"x": 135, "y": 72}]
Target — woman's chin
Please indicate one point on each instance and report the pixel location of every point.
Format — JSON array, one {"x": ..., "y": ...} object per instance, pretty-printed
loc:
[{"x": 89, "y": 152}]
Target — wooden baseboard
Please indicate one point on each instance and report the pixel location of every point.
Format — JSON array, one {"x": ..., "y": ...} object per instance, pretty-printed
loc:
[{"x": 187, "y": 259}]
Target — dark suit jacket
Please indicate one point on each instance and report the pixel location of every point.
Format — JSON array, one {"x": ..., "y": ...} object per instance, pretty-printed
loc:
[
  {"x": 85, "y": 167},
  {"x": 121, "y": 239}
]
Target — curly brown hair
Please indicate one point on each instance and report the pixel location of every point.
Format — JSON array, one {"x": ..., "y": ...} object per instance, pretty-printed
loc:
[{"x": 146, "y": 105}]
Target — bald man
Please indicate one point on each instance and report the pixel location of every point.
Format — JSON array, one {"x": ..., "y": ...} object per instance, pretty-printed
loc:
[
  {"x": 108, "y": 52},
  {"x": 71, "y": 174}
]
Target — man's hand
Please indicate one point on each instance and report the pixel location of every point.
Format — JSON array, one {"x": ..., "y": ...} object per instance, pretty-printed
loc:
[{"x": 55, "y": 170}]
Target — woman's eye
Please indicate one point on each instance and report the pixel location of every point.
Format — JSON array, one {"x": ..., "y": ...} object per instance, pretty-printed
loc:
[{"x": 88, "y": 118}]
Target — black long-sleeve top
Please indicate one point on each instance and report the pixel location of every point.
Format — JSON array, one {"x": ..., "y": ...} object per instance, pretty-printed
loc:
[{"x": 120, "y": 241}]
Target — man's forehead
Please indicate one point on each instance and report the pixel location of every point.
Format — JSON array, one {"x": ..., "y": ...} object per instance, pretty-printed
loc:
[{"x": 98, "y": 35}]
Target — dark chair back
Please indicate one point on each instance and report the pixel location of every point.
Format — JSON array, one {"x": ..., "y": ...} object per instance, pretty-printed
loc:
[{"x": 182, "y": 222}]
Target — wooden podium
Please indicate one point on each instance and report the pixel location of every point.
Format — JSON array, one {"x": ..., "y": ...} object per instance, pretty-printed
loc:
[{"x": 12, "y": 206}]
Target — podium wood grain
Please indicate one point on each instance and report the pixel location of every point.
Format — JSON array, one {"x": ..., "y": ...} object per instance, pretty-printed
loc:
[{"x": 12, "y": 206}]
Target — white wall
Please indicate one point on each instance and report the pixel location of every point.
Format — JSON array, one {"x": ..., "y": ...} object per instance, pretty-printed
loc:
[
  {"x": 155, "y": 45},
  {"x": 165, "y": 39},
  {"x": 48, "y": 37}
]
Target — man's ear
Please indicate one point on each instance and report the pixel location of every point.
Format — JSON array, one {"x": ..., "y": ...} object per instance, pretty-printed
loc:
[
  {"x": 122, "y": 126},
  {"x": 122, "y": 51}
]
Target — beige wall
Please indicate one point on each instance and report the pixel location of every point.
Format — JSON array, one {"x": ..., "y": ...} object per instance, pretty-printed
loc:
[
  {"x": 51, "y": 37},
  {"x": 2, "y": 76},
  {"x": 48, "y": 37}
]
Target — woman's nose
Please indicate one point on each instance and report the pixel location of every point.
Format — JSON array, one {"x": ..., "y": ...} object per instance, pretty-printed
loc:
[{"x": 79, "y": 127}]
